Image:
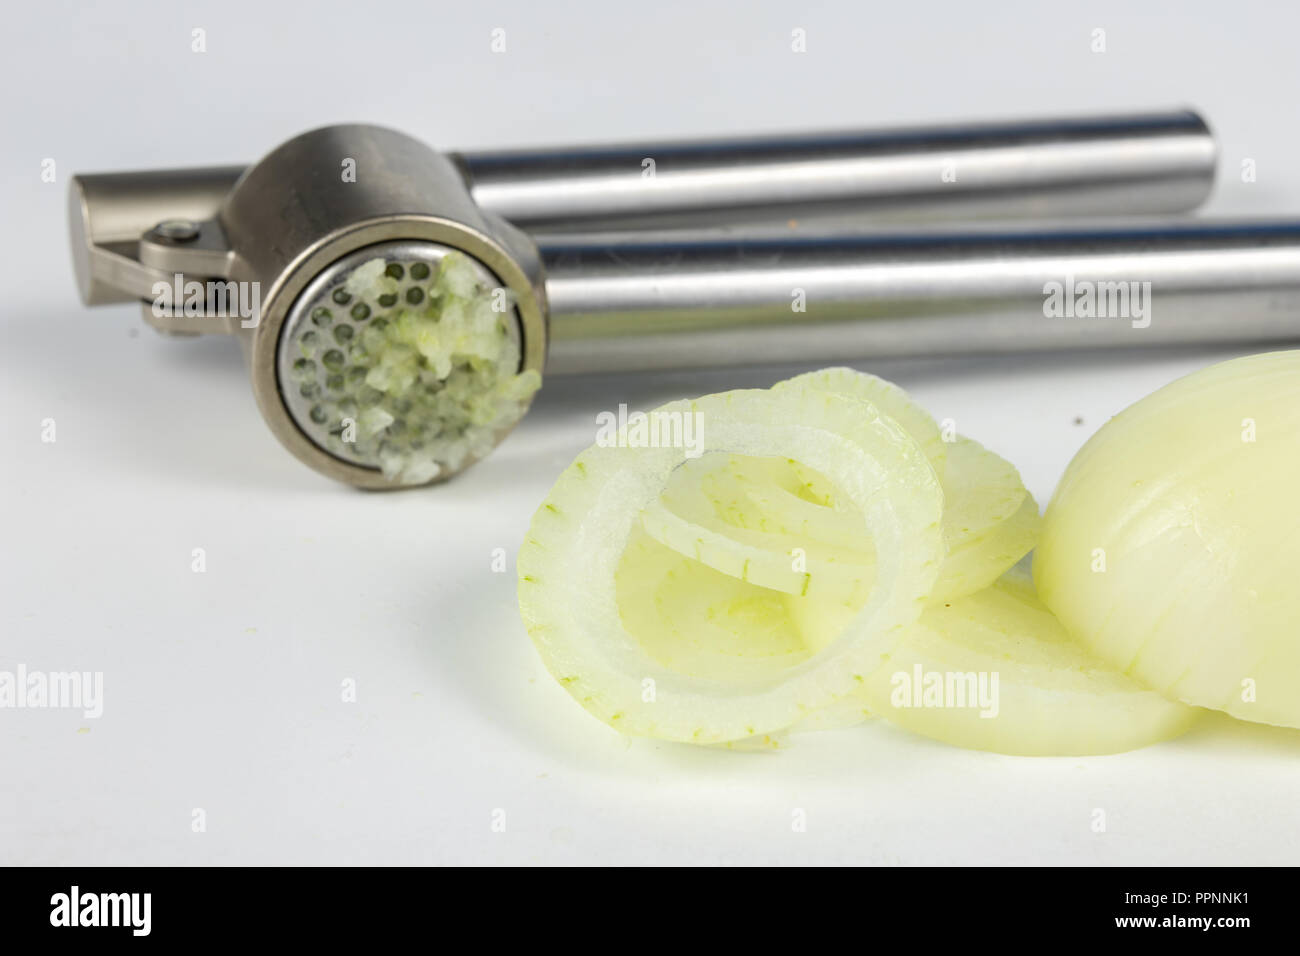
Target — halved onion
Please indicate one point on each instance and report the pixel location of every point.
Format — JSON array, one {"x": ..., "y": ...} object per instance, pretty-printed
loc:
[
  {"x": 1171, "y": 545},
  {"x": 570, "y": 560}
]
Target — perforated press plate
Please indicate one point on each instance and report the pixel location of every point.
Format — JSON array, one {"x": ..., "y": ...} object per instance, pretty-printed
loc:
[{"x": 404, "y": 357}]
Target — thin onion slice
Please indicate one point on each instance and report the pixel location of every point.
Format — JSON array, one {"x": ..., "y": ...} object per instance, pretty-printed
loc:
[
  {"x": 884, "y": 395},
  {"x": 738, "y": 515},
  {"x": 996, "y": 671},
  {"x": 990, "y": 521},
  {"x": 751, "y": 518},
  {"x": 569, "y": 561},
  {"x": 695, "y": 620}
]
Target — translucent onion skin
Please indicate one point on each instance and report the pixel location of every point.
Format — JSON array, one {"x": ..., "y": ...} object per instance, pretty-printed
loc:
[{"x": 1172, "y": 544}]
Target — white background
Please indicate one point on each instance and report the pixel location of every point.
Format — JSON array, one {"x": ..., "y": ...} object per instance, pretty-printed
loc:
[{"x": 223, "y": 689}]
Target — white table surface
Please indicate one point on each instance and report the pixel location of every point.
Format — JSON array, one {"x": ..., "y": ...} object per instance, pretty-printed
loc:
[{"x": 222, "y": 689}]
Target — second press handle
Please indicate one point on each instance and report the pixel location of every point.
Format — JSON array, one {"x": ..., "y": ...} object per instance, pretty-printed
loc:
[{"x": 1151, "y": 163}]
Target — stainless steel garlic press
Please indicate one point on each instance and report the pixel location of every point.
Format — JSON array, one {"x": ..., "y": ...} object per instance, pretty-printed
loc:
[{"x": 805, "y": 249}]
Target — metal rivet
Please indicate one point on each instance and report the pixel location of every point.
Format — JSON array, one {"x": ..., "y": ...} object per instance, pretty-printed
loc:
[{"x": 177, "y": 230}]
